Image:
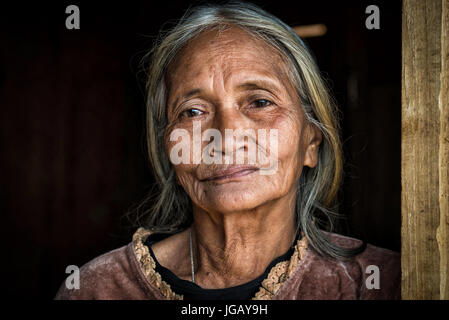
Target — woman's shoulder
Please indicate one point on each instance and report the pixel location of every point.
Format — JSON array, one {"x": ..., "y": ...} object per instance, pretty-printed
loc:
[
  {"x": 374, "y": 273},
  {"x": 372, "y": 255},
  {"x": 93, "y": 279},
  {"x": 110, "y": 276},
  {"x": 371, "y": 251},
  {"x": 380, "y": 269}
]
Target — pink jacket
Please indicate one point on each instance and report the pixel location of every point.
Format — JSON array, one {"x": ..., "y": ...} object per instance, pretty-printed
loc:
[{"x": 128, "y": 273}]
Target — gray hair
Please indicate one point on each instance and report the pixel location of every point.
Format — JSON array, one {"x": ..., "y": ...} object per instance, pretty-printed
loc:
[{"x": 170, "y": 209}]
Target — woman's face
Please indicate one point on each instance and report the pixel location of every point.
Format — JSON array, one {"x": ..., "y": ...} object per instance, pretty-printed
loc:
[{"x": 229, "y": 81}]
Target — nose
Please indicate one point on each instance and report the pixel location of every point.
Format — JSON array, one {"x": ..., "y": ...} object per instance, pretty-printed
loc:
[{"x": 236, "y": 132}]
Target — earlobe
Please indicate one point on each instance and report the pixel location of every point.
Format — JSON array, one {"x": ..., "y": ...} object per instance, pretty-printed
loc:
[{"x": 311, "y": 154}]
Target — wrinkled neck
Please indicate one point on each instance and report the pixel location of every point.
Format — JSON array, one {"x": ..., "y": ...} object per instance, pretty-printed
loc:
[{"x": 234, "y": 248}]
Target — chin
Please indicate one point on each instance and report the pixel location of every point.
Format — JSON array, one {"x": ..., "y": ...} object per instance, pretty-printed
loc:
[{"x": 237, "y": 200}]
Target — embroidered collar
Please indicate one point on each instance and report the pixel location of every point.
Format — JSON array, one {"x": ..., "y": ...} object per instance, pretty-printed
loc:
[{"x": 269, "y": 287}]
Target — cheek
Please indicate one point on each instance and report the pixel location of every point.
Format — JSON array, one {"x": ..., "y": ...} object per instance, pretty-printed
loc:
[
  {"x": 186, "y": 178},
  {"x": 289, "y": 162},
  {"x": 184, "y": 170},
  {"x": 290, "y": 154},
  {"x": 289, "y": 138}
]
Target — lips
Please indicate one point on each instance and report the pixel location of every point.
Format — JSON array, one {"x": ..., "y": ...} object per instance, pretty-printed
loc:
[{"x": 230, "y": 172}]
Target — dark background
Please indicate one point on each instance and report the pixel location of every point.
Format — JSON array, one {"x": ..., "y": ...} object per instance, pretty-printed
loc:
[{"x": 72, "y": 145}]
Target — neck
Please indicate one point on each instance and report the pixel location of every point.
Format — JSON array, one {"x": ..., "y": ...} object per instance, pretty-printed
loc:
[{"x": 234, "y": 248}]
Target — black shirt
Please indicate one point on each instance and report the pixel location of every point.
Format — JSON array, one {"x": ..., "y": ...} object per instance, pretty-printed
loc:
[{"x": 192, "y": 291}]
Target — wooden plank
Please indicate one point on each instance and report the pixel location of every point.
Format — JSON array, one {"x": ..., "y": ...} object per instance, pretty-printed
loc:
[
  {"x": 443, "y": 228},
  {"x": 424, "y": 149}
]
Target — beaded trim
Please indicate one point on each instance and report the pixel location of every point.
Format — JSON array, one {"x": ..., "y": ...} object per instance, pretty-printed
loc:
[
  {"x": 269, "y": 287},
  {"x": 148, "y": 265},
  {"x": 281, "y": 272}
]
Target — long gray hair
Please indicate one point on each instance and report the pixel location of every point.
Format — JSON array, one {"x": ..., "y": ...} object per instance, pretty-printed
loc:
[{"x": 169, "y": 209}]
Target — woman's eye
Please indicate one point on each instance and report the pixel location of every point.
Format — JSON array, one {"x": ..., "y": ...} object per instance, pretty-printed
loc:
[
  {"x": 261, "y": 103},
  {"x": 191, "y": 113}
]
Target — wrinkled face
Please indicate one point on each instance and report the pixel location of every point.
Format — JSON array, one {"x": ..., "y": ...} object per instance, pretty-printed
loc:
[{"x": 236, "y": 135}]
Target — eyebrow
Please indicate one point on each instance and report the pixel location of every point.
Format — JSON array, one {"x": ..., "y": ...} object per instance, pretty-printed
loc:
[
  {"x": 191, "y": 93},
  {"x": 266, "y": 85},
  {"x": 186, "y": 96}
]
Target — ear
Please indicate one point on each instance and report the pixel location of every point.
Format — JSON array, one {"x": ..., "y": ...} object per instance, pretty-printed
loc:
[{"x": 312, "y": 141}]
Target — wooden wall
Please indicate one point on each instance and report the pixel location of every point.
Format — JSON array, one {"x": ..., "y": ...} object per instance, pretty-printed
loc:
[{"x": 425, "y": 149}]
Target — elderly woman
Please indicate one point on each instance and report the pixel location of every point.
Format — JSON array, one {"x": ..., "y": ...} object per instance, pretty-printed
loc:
[{"x": 243, "y": 139}]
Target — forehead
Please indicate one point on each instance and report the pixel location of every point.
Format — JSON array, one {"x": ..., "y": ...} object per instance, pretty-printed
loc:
[{"x": 231, "y": 52}]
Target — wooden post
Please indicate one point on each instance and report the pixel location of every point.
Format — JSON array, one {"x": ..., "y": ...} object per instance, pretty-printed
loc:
[{"x": 425, "y": 149}]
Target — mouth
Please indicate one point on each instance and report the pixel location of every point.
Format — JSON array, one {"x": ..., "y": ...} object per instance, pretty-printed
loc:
[{"x": 230, "y": 173}]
